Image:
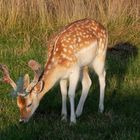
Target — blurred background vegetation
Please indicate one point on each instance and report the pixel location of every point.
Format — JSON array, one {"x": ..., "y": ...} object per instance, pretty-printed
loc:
[{"x": 37, "y": 17}]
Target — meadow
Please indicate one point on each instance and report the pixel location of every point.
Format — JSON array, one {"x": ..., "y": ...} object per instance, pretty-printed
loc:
[{"x": 25, "y": 27}]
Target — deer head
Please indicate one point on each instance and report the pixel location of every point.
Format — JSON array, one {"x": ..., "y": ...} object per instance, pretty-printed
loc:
[{"x": 26, "y": 92}]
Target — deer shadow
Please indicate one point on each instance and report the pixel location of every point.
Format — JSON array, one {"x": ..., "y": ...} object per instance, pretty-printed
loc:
[{"x": 119, "y": 59}]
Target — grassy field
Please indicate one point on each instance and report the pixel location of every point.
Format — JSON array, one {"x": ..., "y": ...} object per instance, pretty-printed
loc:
[{"x": 25, "y": 27}]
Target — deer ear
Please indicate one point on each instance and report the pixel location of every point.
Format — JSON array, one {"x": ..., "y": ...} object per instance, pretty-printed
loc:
[
  {"x": 26, "y": 81},
  {"x": 39, "y": 86},
  {"x": 20, "y": 102}
]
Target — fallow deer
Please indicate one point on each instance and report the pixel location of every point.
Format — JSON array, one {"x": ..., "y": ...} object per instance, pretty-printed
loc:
[{"x": 79, "y": 45}]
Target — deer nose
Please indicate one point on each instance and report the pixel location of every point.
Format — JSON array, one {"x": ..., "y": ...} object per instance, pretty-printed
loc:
[{"x": 21, "y": 121}]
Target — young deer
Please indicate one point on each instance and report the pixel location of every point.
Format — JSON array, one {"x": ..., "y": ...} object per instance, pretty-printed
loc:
[{"x": 81, "y": 44}]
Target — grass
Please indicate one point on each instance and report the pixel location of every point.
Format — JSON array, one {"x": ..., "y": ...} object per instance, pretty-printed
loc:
[
  {"x": 119, "y": 121},
  {"x": 25, "y": 27}
]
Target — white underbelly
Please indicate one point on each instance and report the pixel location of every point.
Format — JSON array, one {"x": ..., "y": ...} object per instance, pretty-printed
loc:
[{"x": 86, "y": 55}]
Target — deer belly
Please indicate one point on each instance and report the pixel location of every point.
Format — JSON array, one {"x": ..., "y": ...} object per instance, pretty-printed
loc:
[{"x": 86, "y": 55}]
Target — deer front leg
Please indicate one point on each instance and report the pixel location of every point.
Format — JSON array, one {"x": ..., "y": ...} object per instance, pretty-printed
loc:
[
  {"x": 73, "y": 80},
  {"x": 63, "y": 88},
  {"x": 86, "y": 83}
]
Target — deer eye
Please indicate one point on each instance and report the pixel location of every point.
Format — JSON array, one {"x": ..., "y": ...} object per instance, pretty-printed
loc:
[{"x": 29, "y": 105}]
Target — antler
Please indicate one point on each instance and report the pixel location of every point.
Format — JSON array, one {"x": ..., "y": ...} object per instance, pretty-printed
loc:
[
  {"x": 6, "y": 77},
  {"x": 36, "y": 67},
  {"x": 18, "y": 88}
]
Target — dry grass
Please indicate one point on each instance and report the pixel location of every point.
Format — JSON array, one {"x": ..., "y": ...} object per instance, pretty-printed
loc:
[{"x": 121, "y": 17}]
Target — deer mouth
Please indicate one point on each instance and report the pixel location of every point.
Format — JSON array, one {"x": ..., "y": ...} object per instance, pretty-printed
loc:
[{"x": 23, "y": 120}]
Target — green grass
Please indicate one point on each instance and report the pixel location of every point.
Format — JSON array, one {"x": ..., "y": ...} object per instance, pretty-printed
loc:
[{"x": 120, "y": 121}]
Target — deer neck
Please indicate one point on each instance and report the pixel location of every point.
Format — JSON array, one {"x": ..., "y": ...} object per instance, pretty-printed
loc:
[{"x": 50, "y": 77}]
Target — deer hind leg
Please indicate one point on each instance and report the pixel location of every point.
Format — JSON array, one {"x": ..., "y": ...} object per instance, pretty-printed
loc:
[
  {"x": 86, "y": 83},
  {"x": 73, "y": 80},
  {"x": 98, "y": 65},
  {"x": 63, "y": 88}
]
